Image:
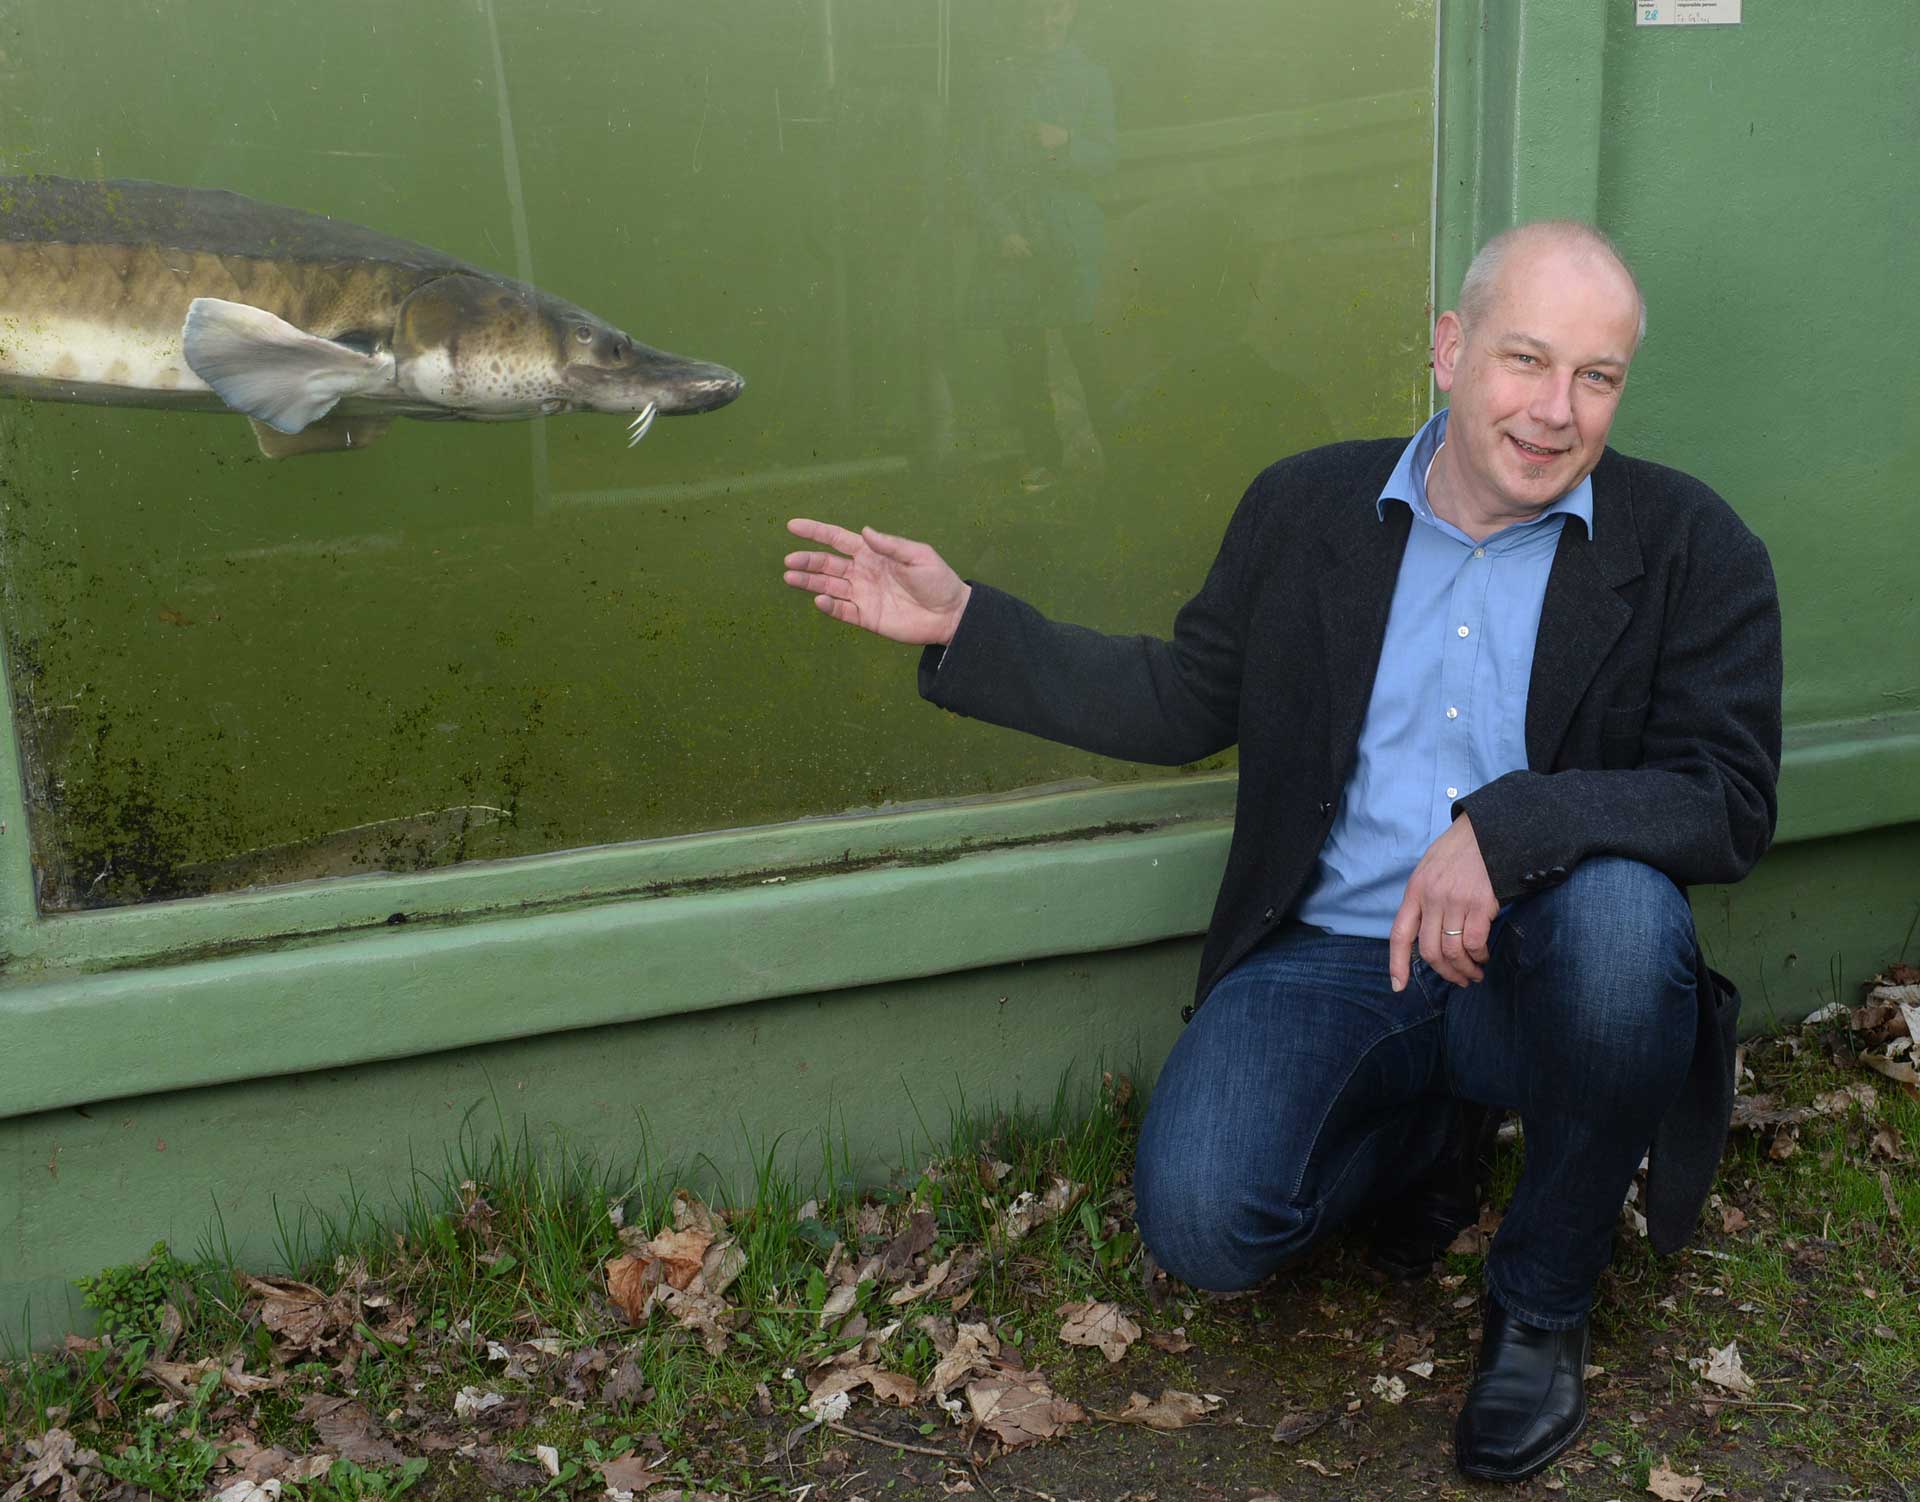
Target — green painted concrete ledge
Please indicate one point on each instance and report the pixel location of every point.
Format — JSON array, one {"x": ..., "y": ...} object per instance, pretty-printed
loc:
[{"x": 1061, "y": 873}]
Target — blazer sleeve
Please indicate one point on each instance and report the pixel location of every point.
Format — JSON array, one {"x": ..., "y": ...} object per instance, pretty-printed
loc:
[
  {"x": 1701, "y": 804},
  {"x": 1139, "y": 698}
]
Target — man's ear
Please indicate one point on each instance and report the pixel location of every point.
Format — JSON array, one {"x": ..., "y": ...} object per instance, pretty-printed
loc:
[{"x": 1449, "y": 342}]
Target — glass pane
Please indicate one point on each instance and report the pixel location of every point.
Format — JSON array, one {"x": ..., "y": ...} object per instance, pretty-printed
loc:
[{"x": 1044, "y": 289}]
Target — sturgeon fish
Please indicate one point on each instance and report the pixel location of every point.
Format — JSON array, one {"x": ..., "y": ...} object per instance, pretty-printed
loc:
[{"x": 143, "y": 294}]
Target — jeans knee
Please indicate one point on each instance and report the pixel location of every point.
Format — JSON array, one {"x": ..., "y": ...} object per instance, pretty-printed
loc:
[
  {"x": 1610, "y": 956},
  {"x": 1214, "y": 1235}
]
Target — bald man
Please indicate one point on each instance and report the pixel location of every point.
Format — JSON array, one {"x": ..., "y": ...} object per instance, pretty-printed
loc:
[{"x": 1500, "y": 694}]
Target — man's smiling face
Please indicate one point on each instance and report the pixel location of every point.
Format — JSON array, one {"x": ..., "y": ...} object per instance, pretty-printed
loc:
[{"x": 1534, "y": 382}]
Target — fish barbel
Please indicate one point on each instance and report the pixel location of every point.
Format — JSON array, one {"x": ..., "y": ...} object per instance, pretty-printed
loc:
[{"x": 142, "y": 294}]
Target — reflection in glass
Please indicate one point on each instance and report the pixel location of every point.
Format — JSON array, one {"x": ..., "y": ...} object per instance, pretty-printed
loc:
[{"x": 477, "y": 640}]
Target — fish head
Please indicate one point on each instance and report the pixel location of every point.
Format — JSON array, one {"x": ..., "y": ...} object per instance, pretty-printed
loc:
[
  {"x": 607, "y": 370},
  {"x": 490, "y": 348}
]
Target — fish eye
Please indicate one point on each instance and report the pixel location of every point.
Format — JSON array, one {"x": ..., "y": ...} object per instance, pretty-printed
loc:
[{"x": 583, "y": 333}]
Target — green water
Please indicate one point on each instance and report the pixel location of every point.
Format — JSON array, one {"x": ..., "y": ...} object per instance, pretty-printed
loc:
[{"x": 477, "y": 641}]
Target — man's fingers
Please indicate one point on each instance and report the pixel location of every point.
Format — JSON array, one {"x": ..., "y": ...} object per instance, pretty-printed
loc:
[
  {"x": 840, "y": 610},
  {"x": 827, "y": 532},
  {"x": 1478, "y": 926},
  {"x": 902, "y": 549},
  {"x": 1400, "y": 943},
  {"x": 819, "y": 563},
  {"x": 818, "y": 584}
]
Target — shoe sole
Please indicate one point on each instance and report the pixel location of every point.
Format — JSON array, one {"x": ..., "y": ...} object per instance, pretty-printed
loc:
[{"x": 1491, "y": 1473}]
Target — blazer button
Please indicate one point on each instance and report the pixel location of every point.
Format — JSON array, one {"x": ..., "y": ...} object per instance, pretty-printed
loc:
[
  {"x": 1325, "y": 809},
  {"x": 1267, "y": 916},
  {"x": 1558, "y": 873},
  {"x": 1186, "y": 1012},
  {"x": 1531, "y": 879}
]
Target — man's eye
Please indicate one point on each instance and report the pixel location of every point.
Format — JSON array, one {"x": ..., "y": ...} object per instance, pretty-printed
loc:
[
  {"x": 1599, "y": 377},
  {"x": 1524, "y": 357}
]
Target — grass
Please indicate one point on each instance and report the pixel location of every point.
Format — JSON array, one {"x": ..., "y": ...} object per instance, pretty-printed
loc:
[{"x": 502, "y": 1244}]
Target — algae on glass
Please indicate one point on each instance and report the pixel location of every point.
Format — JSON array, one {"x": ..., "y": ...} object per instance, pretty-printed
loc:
[{"x": 477, "y": 640}]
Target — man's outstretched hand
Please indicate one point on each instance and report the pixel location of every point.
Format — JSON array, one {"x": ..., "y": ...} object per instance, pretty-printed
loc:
[
  {"x": 1449, "y": 889},
  {"x": 891, "y": 586}
]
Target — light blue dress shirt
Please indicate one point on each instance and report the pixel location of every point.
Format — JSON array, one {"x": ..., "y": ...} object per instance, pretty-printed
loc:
[{"x": 1449, "y": 706}]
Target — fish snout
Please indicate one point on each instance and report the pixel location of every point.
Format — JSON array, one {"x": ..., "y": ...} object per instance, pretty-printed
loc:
[
  {"x": 670, "y": 384},
  {"x": 697, "y": 387}
]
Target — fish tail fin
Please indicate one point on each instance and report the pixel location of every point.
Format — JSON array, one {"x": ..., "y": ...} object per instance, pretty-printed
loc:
[{"x": 265, "y": 367}]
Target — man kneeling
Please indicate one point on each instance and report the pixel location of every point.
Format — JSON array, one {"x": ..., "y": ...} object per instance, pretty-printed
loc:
[{"x": 1500, "y": 693}]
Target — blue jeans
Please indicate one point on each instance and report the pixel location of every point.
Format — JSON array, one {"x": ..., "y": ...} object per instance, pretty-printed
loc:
[{"x": 1305, "y": 1089}]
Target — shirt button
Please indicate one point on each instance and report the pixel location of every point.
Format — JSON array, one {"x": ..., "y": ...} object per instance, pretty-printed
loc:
[
  {"x": 1453, "y": 792},
  {"x": 1465, "y": 632},
  {"x": 1479, "y": 552},
  {"x": 1452, "y": 713},
  {"x": 1267, "y": 916}
]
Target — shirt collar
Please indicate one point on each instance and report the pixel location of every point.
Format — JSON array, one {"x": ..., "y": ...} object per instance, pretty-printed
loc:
[{"x": 1408, "y": 484}]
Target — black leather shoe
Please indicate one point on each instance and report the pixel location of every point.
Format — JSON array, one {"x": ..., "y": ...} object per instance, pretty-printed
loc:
[
  {"x": 1528, "y": 1400},
  {"x": 1416, "y": 1230}
]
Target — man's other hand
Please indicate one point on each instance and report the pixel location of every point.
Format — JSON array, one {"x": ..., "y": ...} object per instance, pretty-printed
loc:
[
  {"x": 1449, "y": 908},
  {"x": 891, "y": 586}
]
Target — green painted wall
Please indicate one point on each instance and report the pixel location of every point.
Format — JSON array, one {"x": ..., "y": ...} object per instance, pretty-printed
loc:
[{"x": 280, "y": 1040}]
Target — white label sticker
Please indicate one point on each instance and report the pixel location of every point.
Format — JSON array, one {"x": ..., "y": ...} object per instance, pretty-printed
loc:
[{"x": 1686, "y": 12}]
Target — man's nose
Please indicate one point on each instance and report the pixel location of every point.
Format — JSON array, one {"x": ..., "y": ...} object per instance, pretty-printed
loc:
[{"x": 1552, "y": 403}]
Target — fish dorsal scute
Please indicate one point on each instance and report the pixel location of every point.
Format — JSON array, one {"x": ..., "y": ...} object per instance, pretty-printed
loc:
[{"x": 265, "y": 367}]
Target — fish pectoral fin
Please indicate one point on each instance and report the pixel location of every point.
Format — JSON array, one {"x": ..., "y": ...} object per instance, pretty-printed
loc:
[
  {"x": 329, "y": 435},
  {"x": 265, "y": 367}
]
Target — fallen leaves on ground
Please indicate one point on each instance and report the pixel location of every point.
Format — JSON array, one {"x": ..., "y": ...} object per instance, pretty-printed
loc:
[
  {"x": 629, "y": 1474},
  {"x": 1030, "y": 1211},
  {"x": 1173, "y": 1409},
  {"x": 1672, "y": 1486},
  {"x": 1105, "y": 1327},
  {"x": 1297, "y": 1423},
  {"x": 1018, "y": 1410},
  {"x": 1723, "y": 1369},
  {"x": 57, "y": 1461},
  {"x": 346, "y": 1428}
]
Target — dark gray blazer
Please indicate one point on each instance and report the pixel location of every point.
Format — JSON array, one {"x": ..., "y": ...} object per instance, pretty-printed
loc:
[{"x": 1653, "y": 713}]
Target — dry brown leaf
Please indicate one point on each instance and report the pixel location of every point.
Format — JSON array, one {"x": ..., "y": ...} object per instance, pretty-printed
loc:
[
  {"x": 908, "y": 1292},
  {"x": 1174, "y": 1342},
  {"x": 1102, "y": 1326},
  {"x": 839, "y": 1303},
  {"x": 1723, "y": 1369},
  {"x": 680, "y": 1254},
  {"x": 346, "y": 1428},
  {"x": 1893, "y": 1069},
  {"x": 1019, "y": 1411},
  {"x": 1732, "y": 1218},
  {"x": 627, "y": 1474},
  {"x": 300, "y": 1315},
  {"x": 1030, "y": 1211},
  {"x": 1296, "y": 1424},
  {"x": 919, "y": 1233},
  {"x": 1173, "y": 1409},
  {"x": 630, "y": 1284},
  {"x": 1672, "y": 1486},
  {"x": 710, "y": 1317},
  {"x": 1894, "y": 1212},
  {"x": 1786, "y": 1142},
  {"x": 892, "y": 1387},
  {"x": 973, "y": 1350},
  {"x": 182, "y": 1378},
  {"x": 722, "y": 1266},
  {"x": 1886, "y": 1145},
  {"x": 1835, "y": 1102}
]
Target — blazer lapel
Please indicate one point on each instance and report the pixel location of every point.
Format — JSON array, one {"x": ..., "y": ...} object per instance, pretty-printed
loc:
[
  {"x": 1583, "y": 614},
  {"x": 1356, "y": 593}
]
